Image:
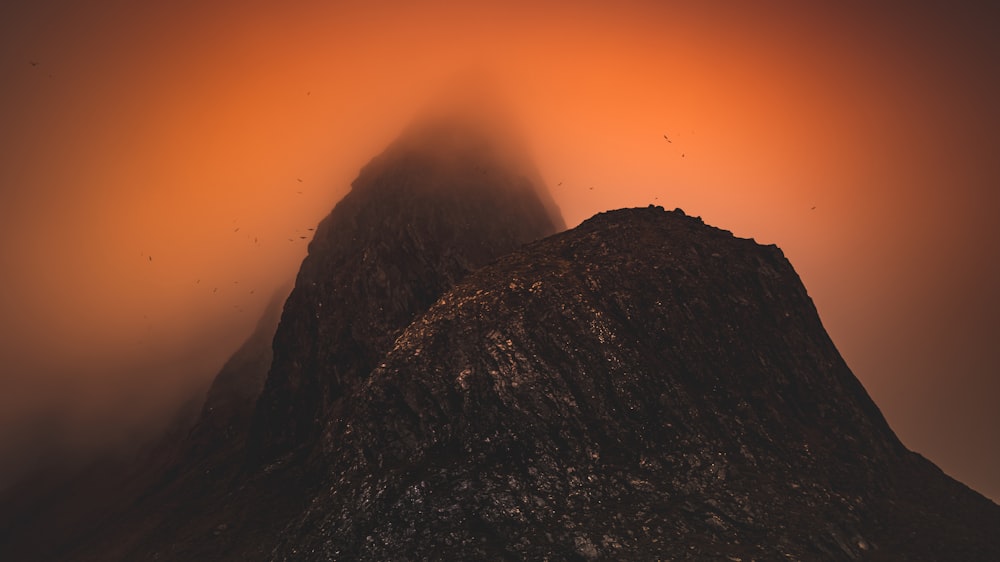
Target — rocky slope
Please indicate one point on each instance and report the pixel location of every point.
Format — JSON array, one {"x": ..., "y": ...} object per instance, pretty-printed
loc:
[
  {"x": 452, "y": 380},
  {"x": 642, "y": 387},
  {"x": 450, "y": 195},
  {"x": 445, "y": 199}
]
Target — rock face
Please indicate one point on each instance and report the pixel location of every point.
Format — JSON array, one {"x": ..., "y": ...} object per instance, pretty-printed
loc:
[
  {"x": 444, "y": 200},
  {"x": 641, "y": 387},
  {"x": 452, "y": 380},
  {"x": 454, "y": 193}
]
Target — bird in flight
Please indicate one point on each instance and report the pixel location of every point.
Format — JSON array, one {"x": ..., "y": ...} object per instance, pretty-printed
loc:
[
  {"x": 300, "y": 180},
  {"x": 33, "y": 62},
  {"x": 668, "y": 139}
]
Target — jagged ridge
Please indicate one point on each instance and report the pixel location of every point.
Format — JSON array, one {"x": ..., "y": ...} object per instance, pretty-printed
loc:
[
  {"x": 442, "y": 201},
  {"x": 642, "y": 387}
]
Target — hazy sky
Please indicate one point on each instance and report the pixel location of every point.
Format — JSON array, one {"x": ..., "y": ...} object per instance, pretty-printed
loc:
[{"x": 160, "y": 163}]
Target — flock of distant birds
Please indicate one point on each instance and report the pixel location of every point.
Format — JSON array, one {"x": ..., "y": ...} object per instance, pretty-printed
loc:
[
  {"x": 299, "y": 180},
  {"x": 215, "y": 290},
  {"x": 36, "y": 64}
]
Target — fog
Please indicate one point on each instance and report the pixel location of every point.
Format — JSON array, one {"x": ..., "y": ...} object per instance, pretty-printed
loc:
[{"x": 161, "y": 165}]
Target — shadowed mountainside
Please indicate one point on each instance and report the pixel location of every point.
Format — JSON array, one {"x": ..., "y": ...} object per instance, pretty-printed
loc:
[
  {"x": 450, "y": 379},
  {"x": 641, "y": 387},
  {"x": 452, "y": 194},
  {"x": 442, "y": 201}
]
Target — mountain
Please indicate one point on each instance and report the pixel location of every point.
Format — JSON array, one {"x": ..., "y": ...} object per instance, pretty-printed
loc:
[
  {"x": 641, "y": 387},
  {"x": 449, "y": 196},
  {"x": 452, "y": 194},
  {"x": 454, "y": 378}
]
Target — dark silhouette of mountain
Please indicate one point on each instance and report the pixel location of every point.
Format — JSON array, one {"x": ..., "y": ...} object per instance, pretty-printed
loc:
[
  {"x": 641, "y": 387},
  {"x": 452, "y": 380},
  {"x": 453, "y": 193},
  {"x": 445, "y": 199}
]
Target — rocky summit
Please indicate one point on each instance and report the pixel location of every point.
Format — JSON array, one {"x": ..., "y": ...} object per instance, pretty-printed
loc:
[
  {"x": 641, "y": 387},
  {"x": 453, "y": 378},
  {"x": 453, "y": 193},
  {"x": 448, "y": 197}
]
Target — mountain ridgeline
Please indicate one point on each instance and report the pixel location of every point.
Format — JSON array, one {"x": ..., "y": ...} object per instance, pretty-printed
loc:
[
  {"x": 456, "y": 377},
  {"x": 444, "y": 200},
  {"x": 641, "y": 387}
]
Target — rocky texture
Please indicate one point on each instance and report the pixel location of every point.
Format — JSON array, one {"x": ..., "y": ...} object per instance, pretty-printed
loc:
[
  {"x": 453, "y": 193},
  {"x": 449, "y": 196},
  {"x": 642, "y": 387}
]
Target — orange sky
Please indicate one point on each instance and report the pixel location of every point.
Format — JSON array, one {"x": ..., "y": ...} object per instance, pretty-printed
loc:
[{"x": 181, "y": 132}]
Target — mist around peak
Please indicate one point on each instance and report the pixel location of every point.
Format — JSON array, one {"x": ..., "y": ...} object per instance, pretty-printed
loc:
[{"x": 471, "y": 136}]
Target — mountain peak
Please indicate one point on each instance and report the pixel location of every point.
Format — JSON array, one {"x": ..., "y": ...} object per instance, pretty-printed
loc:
[
  {"x": 454, "y": 378},
  {"x": 641, "y": 387},
  {"x": 465, "y": 138},
  {"x": 444, "y": 199}
]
